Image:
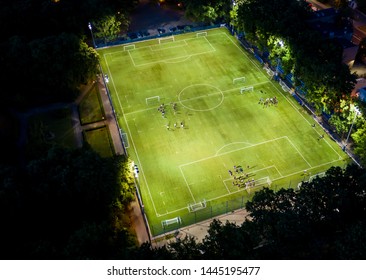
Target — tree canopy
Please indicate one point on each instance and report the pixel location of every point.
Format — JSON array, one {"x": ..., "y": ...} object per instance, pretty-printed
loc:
[
  {"x": 315, "y": 59},
  {"x": 43, "y": 45},
  {"x": 53, "y": 209},
  {"x": 324, "y": 219}
]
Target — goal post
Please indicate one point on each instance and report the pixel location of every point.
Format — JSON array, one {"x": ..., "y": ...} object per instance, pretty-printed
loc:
[
  {"x": 269, "y": 71},
  {"x": 129, "y": 47},
  {"x": 193, "y": 207},
  {"x": 166, "y": 223},
  {"x": 261, "y": 182},
  {"x": 166, "y": 39},
  {"x": 245, "y": 89},
  {"x": 201, "y": 34},
  {"x": 284, "y": 86},
  {"x": 239, "y": 80},
  {"x": 124, "y": 139},
  {"x": 153, "y": 100}
]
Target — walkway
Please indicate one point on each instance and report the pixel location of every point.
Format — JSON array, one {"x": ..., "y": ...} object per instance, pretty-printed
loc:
[{"x": 110, "y": 120}]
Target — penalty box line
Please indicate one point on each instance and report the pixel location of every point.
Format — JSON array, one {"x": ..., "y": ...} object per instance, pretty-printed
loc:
[
  {"x": 175, "y": 58},
  {"x": 244, "y": 148},
  {"x": 254, "y": 171}
]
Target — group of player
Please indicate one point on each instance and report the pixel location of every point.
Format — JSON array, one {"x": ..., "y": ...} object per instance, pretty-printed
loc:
[
  {"x": 175, "y": 125},
  {"x": 241, "y": 179},
  {"x": 162, "y": 110},
  {"x": 268, "y": 101}
]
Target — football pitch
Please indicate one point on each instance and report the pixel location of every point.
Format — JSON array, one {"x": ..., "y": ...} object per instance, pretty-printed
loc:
[{"x": 205, "y": 125}]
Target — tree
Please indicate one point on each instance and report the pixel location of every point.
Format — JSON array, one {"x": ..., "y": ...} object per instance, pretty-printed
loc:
[
  {"x": 359, "y": 138},
  {"x": 66, "y": 199},
  {"x": 208, "y": 11},
  {"x": 324, "y": 219},
  {"x": 110, "y": 26}
]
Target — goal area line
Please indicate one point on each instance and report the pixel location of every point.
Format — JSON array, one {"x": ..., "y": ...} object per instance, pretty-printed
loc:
[{"x": 273, "y": 180}]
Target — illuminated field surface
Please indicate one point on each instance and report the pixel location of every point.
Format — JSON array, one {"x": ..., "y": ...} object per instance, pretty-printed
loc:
[{"x": 209, "y": 125}]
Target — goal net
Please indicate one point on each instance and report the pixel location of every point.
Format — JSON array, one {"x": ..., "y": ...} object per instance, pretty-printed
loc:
[
  {"x": 197, "y": 206},
  {"x": 166, "y": 223},
  {"x": 269, "y": 71},
  {"x": 284, "y": 86},
  {"x": 239, "y": 80},
  {"x": 129, "y": 47},
  {"x": 201, "y": 34},
  {"x": 124, "y": 139},
  {"x": 261, "y": 182},
  {"x": 153, "y": 100},
  {"x": 166, "y": 39},
  {"x": 244, "y": 89}
]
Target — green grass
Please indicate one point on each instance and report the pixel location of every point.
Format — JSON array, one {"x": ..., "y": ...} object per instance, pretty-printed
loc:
[
  {"x": 90, "y": 108},
  {"x": 222, "y": 127},
  {"x": 54, "y": 126},
  {"x": 100, "y": 141}
]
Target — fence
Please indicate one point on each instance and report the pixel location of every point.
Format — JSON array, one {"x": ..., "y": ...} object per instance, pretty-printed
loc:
[
  {"x": 99, "y": 43},
  {"x": 190, "y": 218},
  {"x": 210, "y": 211}
]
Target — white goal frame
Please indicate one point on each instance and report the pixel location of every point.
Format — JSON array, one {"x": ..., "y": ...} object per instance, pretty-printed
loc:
[
  {"x": 269, "y": 71},
  {"x": 199, "y": 34},
  {"x": 193, "y": 207},
  {"x": 166, "y": 39},
  {"x": 239, "y": 80},
  {"x": 152, "y": 98},
  {"x": 129, "y": 47},
  {"x": 258, "y": 183},
  {"x": 124, "y": 139},
  {"x": 284, "y": 86},
  {"x": 176, "y": 220},
  {"x": 244, "y": 89}
]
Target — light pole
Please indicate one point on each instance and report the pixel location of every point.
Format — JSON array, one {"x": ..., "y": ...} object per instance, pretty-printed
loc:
[
  {"x": 91, "y": 32},
  {"x": 357, "y": 112}
]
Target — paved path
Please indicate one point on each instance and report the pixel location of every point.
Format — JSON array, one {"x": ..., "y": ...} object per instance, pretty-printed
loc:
[{"x": 110, "y": 118}]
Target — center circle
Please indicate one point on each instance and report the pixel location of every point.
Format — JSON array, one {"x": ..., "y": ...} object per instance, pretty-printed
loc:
[{"x": 201, "y": 97}]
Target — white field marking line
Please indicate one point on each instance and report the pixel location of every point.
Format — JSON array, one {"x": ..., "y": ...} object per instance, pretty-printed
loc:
[
  {"x": 171, "y": 47},
  {"x": 298, "y": 151},
  {"x": 296, "y": 109},
  {"x": 258, "y": 170},
  {"x": 184, "y": 177},
  {"x": 233, "y": 143},
  {"x": 241, "y": 50},
  {"x": 131, "y": 58},
  {"x": 132, "y": 141},
  {"x": 179, "y": 61},
  {"x": 175, "y": 58},
  {"x": 223, "y": 181},
  {"x": 302, "y": 171},
  {"x": 219, "y": 92},
  {"x": 254, "y": 171},
  {"x": 141, "y": 111},
  {"x": 208, "y": 42},
  {"x": 252, "y": 85},
  {"x": 240, "y": 190},
  {"x": 212, "y": 94},
  {"x": 136, "y": 43},
  {"x": 277, "y": 170},
  {"x": 253, "y": 145},
  {"x": 256, "y": 66},
  {"x": 167, "y": 60}
]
